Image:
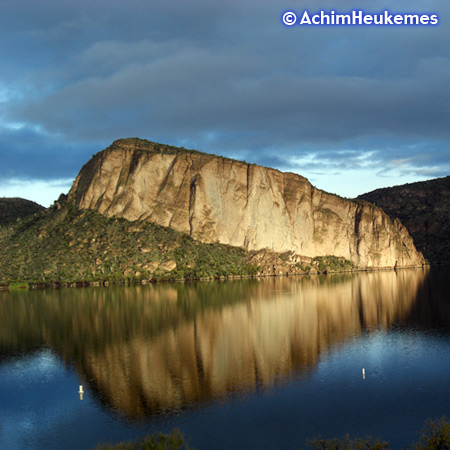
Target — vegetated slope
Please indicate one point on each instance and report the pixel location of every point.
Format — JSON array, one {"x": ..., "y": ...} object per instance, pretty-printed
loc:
[
  {"x": 215, "y": 199},
  {"x": 66, "y": 245},
  {"x": 15, "y": 208},
  {"x": 424, "y": 208}
]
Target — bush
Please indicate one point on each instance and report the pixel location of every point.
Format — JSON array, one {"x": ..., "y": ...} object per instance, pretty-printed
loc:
[
  {"x": 435, "y": 436},
  {"x": 158, "y": 441},
  {"x": 348, "y": 444},
  {"x": 19, "y": 287}
]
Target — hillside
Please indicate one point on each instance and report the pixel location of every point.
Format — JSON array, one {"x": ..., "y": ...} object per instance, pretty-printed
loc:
[
  {"x": 424, "y": 208},
  {"x": 65, "y": 245},
  {"x": 15, "y": 208}
]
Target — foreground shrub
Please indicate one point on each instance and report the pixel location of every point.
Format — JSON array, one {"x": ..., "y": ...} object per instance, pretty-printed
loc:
[
  {"x": 435, "y": 436},
  {"x": 158, "y": 441},
  {"x": 348, "y": 444}
]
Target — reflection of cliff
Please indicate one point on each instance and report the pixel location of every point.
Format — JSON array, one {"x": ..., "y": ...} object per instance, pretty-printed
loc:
[
  {"x": 281, "y": 329},
  {"x": 152, "y": 348},
  {"x": 432, "y": 310}
]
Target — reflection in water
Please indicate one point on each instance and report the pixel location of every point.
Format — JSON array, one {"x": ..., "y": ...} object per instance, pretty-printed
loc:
[{"x": 147, "y": 349}]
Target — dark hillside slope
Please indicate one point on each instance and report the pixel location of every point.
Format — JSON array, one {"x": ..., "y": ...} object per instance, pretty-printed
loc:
[
  {"x": 424, "y": 208},
  {"x": 14, "y": 208}
]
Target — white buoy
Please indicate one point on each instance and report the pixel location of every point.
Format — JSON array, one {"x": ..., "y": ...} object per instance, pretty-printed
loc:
[
  {"x": 81, "y": 392},
  {"x": 364, "y": 373}
]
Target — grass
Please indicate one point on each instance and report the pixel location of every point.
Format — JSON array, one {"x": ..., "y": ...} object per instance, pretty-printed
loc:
[{"x": 19, "y": 287}]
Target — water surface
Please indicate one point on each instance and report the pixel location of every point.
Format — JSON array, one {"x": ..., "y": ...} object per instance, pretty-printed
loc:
[{"x": 245, "y": 364}]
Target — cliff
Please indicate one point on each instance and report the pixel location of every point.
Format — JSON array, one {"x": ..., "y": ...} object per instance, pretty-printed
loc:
[
  {"x": 424, "y": 208},
  {"x": 220, "y": 200}
]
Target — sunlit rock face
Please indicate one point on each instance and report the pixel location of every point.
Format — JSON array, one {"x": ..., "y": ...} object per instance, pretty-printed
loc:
[{"x": 215, "y": 199}]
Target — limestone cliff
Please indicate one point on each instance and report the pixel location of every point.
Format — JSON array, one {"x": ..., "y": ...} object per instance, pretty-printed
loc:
[{"x": 215, "y": 199}]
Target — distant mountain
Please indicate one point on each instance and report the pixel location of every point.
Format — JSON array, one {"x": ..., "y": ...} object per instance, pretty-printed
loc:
[
  {"x": 15, "y": 208},
  {"x": 424, "y": 208}
]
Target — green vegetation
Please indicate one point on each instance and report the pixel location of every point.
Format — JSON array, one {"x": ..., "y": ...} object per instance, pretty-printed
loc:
[
  {"x": 64, "y": 245},
  {"x": 144, "y": 146},
  {"x": 159, "y": 441},
  {"x": 434, "y": 436},
  {"x": 285, "y": 256},
  {"x": 304, "y": 267},
  {"x": 333, "y": 263},
  {"x": 13, "y": 209},
  {"x": 19, "y": 287},
  {"x": 348, "y": 444}
]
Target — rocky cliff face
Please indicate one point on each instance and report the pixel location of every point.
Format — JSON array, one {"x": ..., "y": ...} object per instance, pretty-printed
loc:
[
  {"x": 424, "y": 208},
  {"x": 215, "y": 199}
]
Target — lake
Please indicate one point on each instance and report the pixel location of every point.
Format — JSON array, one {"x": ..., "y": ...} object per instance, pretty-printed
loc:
[{"x": 245, "y": 364}]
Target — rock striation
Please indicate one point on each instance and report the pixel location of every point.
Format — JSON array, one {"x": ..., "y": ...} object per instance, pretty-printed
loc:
[{"x": 215, "y": 199}]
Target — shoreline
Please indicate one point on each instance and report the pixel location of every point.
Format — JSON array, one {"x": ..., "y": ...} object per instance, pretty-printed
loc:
[{"x": 25, "y": 286}]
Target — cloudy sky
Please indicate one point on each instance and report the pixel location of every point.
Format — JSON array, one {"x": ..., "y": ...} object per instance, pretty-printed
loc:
[{"x": 352, "y": 108}]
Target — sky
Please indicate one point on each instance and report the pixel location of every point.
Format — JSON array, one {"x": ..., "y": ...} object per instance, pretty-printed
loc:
[{"x": 352, "y": 108}]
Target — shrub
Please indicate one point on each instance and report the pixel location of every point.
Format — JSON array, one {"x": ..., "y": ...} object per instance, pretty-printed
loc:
[
  {"x": 157, "y": 441},
  {"x": 348, "y": 444},
  {"x": 435, "y": 436},
  {"x": 19, "y": 287}
]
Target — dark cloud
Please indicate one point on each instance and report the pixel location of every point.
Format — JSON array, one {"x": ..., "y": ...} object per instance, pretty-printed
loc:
[
  {"x": 226, "y": 78},
  {"x": 26, "y": 153}
]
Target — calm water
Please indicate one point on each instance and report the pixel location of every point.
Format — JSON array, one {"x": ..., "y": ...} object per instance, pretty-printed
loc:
[{"x": 252, "y": 364}]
